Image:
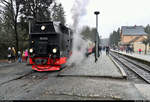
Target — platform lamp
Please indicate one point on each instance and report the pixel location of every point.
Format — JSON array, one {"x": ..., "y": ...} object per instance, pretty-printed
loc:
[
  {"x": 96, "y": 37},
  {"x": 29, "y": 18}
]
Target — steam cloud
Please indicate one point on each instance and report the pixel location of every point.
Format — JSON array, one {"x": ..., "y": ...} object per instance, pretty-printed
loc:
[{"x": 79, "y": 45}]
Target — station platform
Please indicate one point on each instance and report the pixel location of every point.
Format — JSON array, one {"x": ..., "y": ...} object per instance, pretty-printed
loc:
[
  {"x": 135, "y": 55},
  {"x": 104, "y": 67}
]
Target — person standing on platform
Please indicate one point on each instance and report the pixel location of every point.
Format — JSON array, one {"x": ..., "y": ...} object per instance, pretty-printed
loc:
[
  {"x": 19, "y": 57},
  {"x": 140, "y": 50},
  {"x": 132, "y": 51},
  {"x": 26, "y": 55},
  {"x": 23, "y": 56},
  {"x": 107, "y": 50},
  {"x": 100, "y": 49},
  {"x": 13, "y": 54},
  {"x": 9, "y": 54}
]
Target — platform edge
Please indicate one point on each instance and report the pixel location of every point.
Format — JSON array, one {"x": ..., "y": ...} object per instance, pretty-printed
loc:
[{"x": 119, "y": 67}]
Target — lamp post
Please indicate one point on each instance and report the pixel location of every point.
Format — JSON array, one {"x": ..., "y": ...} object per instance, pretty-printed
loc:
[
  {"x": 29, "y": 18},
  {"x": 96, "y": 36}
]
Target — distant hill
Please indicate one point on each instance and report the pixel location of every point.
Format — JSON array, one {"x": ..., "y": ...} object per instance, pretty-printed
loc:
[{"x": 104, "y": 41}]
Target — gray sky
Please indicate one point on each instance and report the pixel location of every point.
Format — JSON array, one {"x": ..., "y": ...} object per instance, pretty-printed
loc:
[{"x": 113, "y": 14}]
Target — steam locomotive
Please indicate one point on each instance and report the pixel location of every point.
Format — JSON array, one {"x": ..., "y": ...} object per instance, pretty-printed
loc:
[{"x": 50, "y": 45}]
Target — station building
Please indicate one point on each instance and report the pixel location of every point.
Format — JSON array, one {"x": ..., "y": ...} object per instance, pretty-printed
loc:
[{"x": 134, "y": 36}]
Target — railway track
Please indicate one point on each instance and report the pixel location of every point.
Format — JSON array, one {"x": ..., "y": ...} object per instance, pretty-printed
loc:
[
  {"x": 32, "y": 75},
  {"x": 142, "y": 70}
]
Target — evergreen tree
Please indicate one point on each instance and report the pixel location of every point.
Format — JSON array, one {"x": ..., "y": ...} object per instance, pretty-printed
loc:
[
  {"x": 88, "y": 33},
  {"x": 147, "y": 29},
  {"x": 114, "y": 37},
  {"x": 147, "y": 41},
  {"x": 58, "y": 13}
]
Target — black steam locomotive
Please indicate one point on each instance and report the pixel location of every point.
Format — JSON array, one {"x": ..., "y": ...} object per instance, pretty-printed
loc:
[{"x": 50, "y": 45}]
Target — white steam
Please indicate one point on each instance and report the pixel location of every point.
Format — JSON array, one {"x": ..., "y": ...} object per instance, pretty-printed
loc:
[{"x": 79, "y": 45}]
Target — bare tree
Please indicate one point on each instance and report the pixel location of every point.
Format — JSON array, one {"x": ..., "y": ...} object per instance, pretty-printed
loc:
[
  {"x": 38, "y": 9},
  {"x": 12, "y": 7}
]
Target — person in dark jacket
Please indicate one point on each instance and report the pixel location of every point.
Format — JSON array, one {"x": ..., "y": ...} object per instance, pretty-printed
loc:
[
  {"x": 107, "y": 50},
  {"x": 100, "y": 49},
  {"x": 13, "y": 54},
  {"x": 19, "y": 57}
]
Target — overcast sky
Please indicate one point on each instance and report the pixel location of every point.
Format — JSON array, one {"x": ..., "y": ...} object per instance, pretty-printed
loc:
[{"x": 113, "y": 14}]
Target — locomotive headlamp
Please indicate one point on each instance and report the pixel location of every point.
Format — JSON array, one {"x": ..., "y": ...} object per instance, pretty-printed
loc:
[
  {"x": 31, "y": 50},
  {"x": 42, "y": 27},
  {"x": 54, "y": 50}
]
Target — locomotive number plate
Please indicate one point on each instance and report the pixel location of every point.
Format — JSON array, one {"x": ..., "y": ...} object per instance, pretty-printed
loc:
[{"x": 43, "y": 38}]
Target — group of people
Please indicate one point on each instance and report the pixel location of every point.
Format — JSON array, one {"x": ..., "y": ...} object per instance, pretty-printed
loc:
[
  {"x": 13, "y": 56},
  {"x": 100, "y": 48},
  {"x": 104, "y": 48},
  {"x": 127, "y": 49}
]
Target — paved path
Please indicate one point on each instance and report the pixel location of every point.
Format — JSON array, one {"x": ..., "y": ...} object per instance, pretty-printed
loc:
[
  {"x": 104, "y": 67},
  {"x": 75, "y": 88}
]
